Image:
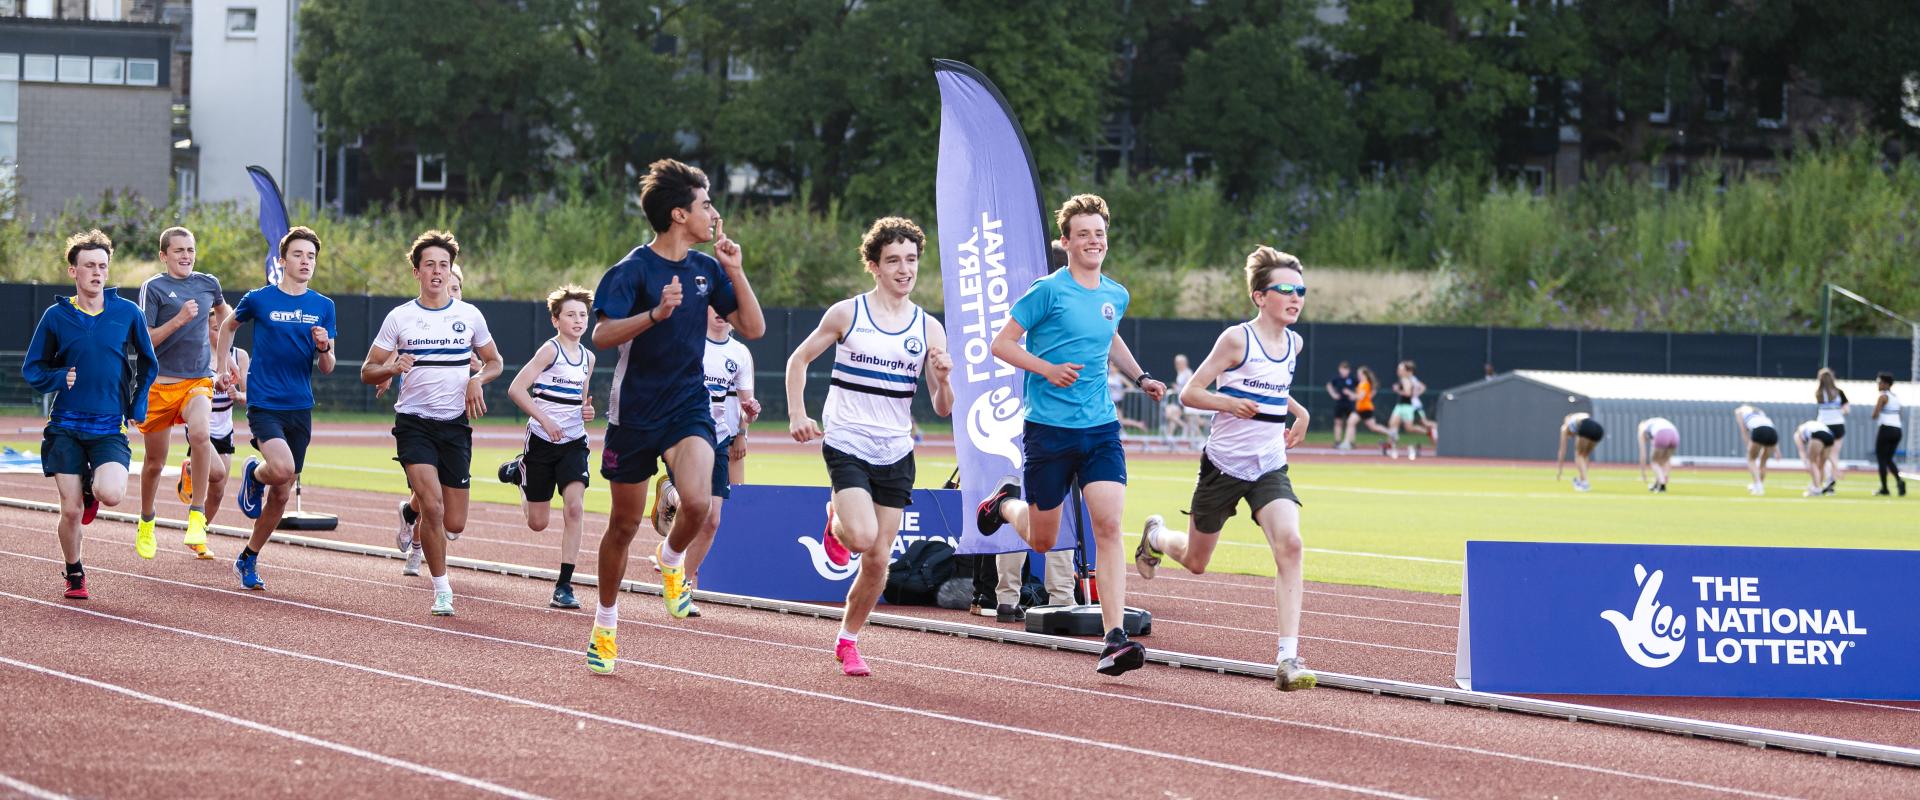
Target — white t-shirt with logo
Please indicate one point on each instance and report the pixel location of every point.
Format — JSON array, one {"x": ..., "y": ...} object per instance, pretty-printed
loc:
[
  {"x": 442, "y": 341},
  {"x": 729, "y": 371}
]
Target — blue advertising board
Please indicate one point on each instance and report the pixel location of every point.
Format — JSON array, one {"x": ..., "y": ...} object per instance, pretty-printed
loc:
[
  {"x": 1699, "y": 621},
  {"x": 769, "y": 541}
]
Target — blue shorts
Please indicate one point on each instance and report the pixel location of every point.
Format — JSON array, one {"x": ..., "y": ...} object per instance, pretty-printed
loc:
[
  {"x": 722, "y": 471},
  {"x": 64, "y": 451},
  {"x": 632, "y": 454},
  {"x": 294, "y": 427},
  {"x": 1057, "y": 458}
]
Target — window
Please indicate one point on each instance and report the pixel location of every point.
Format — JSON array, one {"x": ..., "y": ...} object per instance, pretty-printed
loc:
[
  {"x": 430, "y": 172},
  {"x": 1534, "y": 178},
  {"x": 243, "y": 22},
  {"x": 36, "y": 68},
  {"x": 1770, "y": 103},
  {"x": 103, "y": 10},
  {"x": 1909, "y": 99},
  {"x": 40, "y": 8},
  {"x": 9, "y": 67},
  {"x": 1717, "y": 90},
  {"x": 110, "y": 70},
  {"x": 143, "y": 72},
  {"x": 738, "y": 69},
  {"x": 9, "y": 102},
  {"x": 75, "y": 69}
]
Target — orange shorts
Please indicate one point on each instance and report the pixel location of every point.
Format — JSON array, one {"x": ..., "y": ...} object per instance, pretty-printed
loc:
[{"x": 167, "y": 402}]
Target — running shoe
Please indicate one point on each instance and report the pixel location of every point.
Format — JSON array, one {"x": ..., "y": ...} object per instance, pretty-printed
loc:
[
  {"x": 89, "y": 505},
  {"x": 196, "y": 536},
  {"x": 837, "y": 553},
  {"x": 414, "y": 554},
  {"x": 1663, "y": 488},
  {"x": 251, "y": 490},
  {"x": 184, "y": 486},
  {"x": 247, "y": 567},
  {"x": 987, "y": 517},
  {"x": 1121, "y": 655},
  {"x": 1903, "y": 488},
  {"x": 1292, "y": 675},
  {"x": 563, "y": 597},
  {"x": 851, "y": 663},
  {"x": 403, "y": 536},
  {"x": 1146, "y": 560},
  {"x": 601, "y": 650},
  {"x": 1829, "y": 488},
  {"x": 673, "y": 586},
  {"x": 143, "y": 539},
  {"x": 511, "y": 471},
  {"x": 693, "y": 610},
  {"x": 666, "y": 505},
  {"x": 443, "y": 602},
  {"x": 76, "y": 586}
]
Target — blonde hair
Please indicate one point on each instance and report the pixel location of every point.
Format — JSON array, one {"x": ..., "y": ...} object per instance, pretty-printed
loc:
[
  {"x": 558, "y": 298},
  {"x": 167, "y": 236},
  {"x": 1078, "y": 205},
  {"x": 1827, "y": 391},
  {"x": 1261, "y": 264}
]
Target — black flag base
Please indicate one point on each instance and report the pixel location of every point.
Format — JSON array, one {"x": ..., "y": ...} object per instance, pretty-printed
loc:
[
  {"x": 300, "y": 519},
  {"x": 1084, "y": 620}
]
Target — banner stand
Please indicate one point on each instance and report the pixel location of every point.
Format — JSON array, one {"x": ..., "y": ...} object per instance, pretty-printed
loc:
[
  {"x": 300, "y": 519},
  {"x": 1082, "y": 618}
]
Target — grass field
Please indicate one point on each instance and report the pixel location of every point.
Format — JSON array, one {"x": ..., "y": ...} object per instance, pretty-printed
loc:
[{"x": 1366, "y": 521}]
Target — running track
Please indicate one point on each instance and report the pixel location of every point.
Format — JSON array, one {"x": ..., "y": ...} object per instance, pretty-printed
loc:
[{"x": 336, "y": 681}]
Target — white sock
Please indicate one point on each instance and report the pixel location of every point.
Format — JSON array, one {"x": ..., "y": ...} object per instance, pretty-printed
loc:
[
  {"x": 1154, "y": 541},
  {"x": 1289, "y": 648},
  {"x": 851, "y": 637},
  {"x": 670, "y": 557},
  {"x": 441, "y": 584},
  {"x": 606, "y": 616}
]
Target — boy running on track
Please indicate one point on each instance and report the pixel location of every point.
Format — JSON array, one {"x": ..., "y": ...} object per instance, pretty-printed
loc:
[
  {"x": 1762, "y": 441},
  {"x": 179, "y": 305},
  {"x": 219, "y": 429},
  {"x": 292, "y": 325},
  {"x": 1586, "y": 433},
  {"x": 660, "y": 408},
  {"x": 883, "y": 344},
  {"x": 410, "y": 510},
  {"x": 432, "y": 340},
  {"x": 1659, "y": 434},
  {"x": 79, "y": 350},
  {"x": 552, "y": 389},
  {"x": 1071, "y": 321},
  {"x": 1245, "y": 457}
]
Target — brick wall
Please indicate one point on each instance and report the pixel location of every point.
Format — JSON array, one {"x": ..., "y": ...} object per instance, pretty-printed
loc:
[{"x": 78, "y": 142}]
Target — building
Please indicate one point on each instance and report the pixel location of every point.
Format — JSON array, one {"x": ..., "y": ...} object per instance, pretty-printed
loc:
[{"x": 248, "y": 104}]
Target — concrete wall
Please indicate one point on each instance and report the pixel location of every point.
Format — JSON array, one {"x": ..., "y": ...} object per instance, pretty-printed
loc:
[{"x": 79, "y": 141}]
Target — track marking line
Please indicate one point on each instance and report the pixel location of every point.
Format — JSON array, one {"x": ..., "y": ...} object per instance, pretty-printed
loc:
[
  {"x": 490, "y": 695},
  {"x": 895, "y": 708},
  {"x": 1320, "y": 613},
  {"x": 1908, "y": 709},
  {"x": 434, "y": 772},
  {"x": 1112, "y": 695},
  {"x": 1269, "y": 633},
  {"x": 1268, "y": 589},
  {"x": 29, "y": 789}
]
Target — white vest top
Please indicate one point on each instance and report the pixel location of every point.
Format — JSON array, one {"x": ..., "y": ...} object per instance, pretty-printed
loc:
[
  {"x": 1890, "y": 413},
  {"x": 1808, "y": 429},
  {"x": 1829, "y": 413},
  {"x": 558, "y": 391},
  {"x": 876, "y": 372},
  {"x": 729, "y": 370},
  {"x": 1249, "y": 448},
  {"x": 1756, "y": 419}
]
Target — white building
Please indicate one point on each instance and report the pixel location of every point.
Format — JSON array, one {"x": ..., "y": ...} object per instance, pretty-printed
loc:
[{"x": 248, "y": 107}]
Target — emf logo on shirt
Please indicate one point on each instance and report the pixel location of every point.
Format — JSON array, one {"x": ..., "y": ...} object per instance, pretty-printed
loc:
[{"x": 295, "y": 315}]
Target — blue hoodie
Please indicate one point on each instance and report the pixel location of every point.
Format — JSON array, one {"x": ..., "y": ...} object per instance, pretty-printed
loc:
[{"x": 107, "y": 389}]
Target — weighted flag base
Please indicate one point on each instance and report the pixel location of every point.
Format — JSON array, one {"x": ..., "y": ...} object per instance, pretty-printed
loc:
[
  {"x": 1084, "y": 620},
  {"x": 308, "y": 521}
]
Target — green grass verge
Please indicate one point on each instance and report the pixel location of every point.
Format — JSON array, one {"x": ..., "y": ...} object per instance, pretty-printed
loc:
[{"x": 1368, "y": 522}]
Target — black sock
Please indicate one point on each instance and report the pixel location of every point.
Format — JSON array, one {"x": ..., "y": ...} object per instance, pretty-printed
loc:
[
  {"x": 1117, "y": 636},
  {"x": 411, "y": 516},
  {"x": 566, "y": 575},
  {"x": 249, "y": 553},
  {"x": 147, "y": 517},
  {"x": 75, "y": 569}
]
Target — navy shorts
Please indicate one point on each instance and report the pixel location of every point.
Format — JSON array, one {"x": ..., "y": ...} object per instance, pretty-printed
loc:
[
  {"x": 1057, "y": 458},
  {"x": 64, "y": 451},
  {"x": 632, "y": 454},
  {"x": 296, "y": 427},
  {"x": 721, "y": 472}
]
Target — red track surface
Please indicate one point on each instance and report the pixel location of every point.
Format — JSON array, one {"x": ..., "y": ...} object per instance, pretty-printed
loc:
[{"x": 173, "y": 682}]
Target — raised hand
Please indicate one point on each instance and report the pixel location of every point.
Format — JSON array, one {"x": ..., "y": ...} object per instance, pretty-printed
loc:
[
  {"x": 670, "y": 296},
  {"x": 320, "y": 339},
  {"x": 939, "y": 365},
  {"x": 1063, "y": 375},
  {"x": 727, "y": 250},
  {"x": 1154, "y": 389},
  {"x": 586, "y": 408},
  {"x": 189, "y": 311}
]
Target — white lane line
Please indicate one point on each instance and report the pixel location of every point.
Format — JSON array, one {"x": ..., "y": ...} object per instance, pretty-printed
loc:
[
  {"x": 29, "y": 789},
  {"x": 585, "y": 715},
  {"x": 1116, "y": 696},
  {"x": 1908, "y": 709},
  {"x": 1269, "y": 607},
  {"x": 1268, "y": 589},
  {"x": 451, "y": 777},
  {"x": 889, "y": 707},
  {"x": 1269, "y": 634}
]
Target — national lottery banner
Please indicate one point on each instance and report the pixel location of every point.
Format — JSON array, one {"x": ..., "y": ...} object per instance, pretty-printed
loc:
[
  {"x": 993, "y": 245},
  {"x": 1689, "y": 621}
]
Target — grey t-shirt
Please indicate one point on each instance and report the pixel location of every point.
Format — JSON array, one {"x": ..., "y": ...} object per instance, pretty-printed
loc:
[{"x": 185, "y": 352}]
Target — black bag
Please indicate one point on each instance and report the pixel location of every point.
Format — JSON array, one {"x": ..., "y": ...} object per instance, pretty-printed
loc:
[{"x": 914, "y": 579}]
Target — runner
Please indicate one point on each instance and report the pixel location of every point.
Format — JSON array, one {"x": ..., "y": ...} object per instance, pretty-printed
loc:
[
  {"x": 660, "y": 406},
  {"x": 219, "y": 430},
  {"x": 1342, "y": 388},
  {"x": 435, "y": 337},
  {"x": 1762, "y": 441},
  {"x": 1363, "y": 411},
  {"x": 1071, "y": 320},
  {"x": 1408, "y": 413},
  {"x": 1660, "y": 434},
  {"x": 1586, "y": 433},
  {"x": 1833, "y": 414},
  {"x": 181, "y": 308},
  {"x": 292, "y": 325},
  {"x": 1245, "y": 457},
  {"x": 79, "y": 351},
  {"x": 882, "y": 345},
  {"x": 1812, "y": 441},
  {"x": 410, "y": 510},
  {"x": 1886, "y": 438},
  {"x": 553, "y": 389}
]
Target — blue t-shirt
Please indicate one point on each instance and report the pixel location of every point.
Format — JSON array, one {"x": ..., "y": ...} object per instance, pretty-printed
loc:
[
  {"x": 280, "y": 378},
  {"x": 659, "y": 379},
  {"x": 1067, "y": 322}
]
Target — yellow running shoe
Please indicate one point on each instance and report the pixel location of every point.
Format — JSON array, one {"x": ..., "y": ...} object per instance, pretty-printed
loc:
[
  {"x": 601, "y": 650},
  {"x": 184, "y": 486},
  {"x": 143, "y": 539},
  {"x": 196, "y": 537},
  {"x": 673, "y": 585}
]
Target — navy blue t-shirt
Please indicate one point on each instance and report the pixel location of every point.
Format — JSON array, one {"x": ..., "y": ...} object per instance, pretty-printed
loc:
[
  {"x": 1350, "y": 383},
  {"x": 659, "y": 378}
]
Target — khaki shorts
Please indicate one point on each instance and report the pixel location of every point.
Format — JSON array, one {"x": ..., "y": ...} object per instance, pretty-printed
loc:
[{"x": 1217, "y": 496}]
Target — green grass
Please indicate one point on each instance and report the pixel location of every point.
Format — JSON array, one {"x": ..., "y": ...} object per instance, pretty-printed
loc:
[{"x": 1360, "y": 509}]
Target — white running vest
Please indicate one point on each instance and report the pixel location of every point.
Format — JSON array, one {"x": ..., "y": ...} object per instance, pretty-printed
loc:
[
  {"x": 441, "y": 341},
  {"x": 729, "y": 370},
  {"x": 1249, "y": 448},
  {"x": 1756, "y": 419},
  {"x": 220, "y": 422},
  {"x": 1808, "y": 429},
  {"x": 869, "y": 412},
  {"x": 557, "y": 392},
  {"x": 1829, "y": 413},
  {"x": 1890, "y": 413}
]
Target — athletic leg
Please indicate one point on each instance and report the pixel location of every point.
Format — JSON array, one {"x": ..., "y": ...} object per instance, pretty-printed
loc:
[
  {"x": 537, "y": 514},
  {"x": 875, "y": 542},
  {"x": 691, "y": 460},
  {"x": 217, "y": 470},
  {"x": 453, "y": 504},
  {"x": 572, "y": 514},
  {"x": 199, "y": 448},
  {"x": 697, "y": 552},
  {"x": 69, "y": 528},
  {"x": 110, "y": 483},
  {"x": 151, "y": 465},
  {"x": 1106, "y": 501},
  {"x": 623, "y": 522}
]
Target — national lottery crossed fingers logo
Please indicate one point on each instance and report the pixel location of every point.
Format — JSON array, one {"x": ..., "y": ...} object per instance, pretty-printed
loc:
[{"x": 1731, "y": 626}]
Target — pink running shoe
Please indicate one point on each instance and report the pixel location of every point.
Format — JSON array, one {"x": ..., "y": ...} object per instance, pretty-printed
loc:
[
  {"x": 837, "y": 553},
  {"x": 849, "y": 657}
]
